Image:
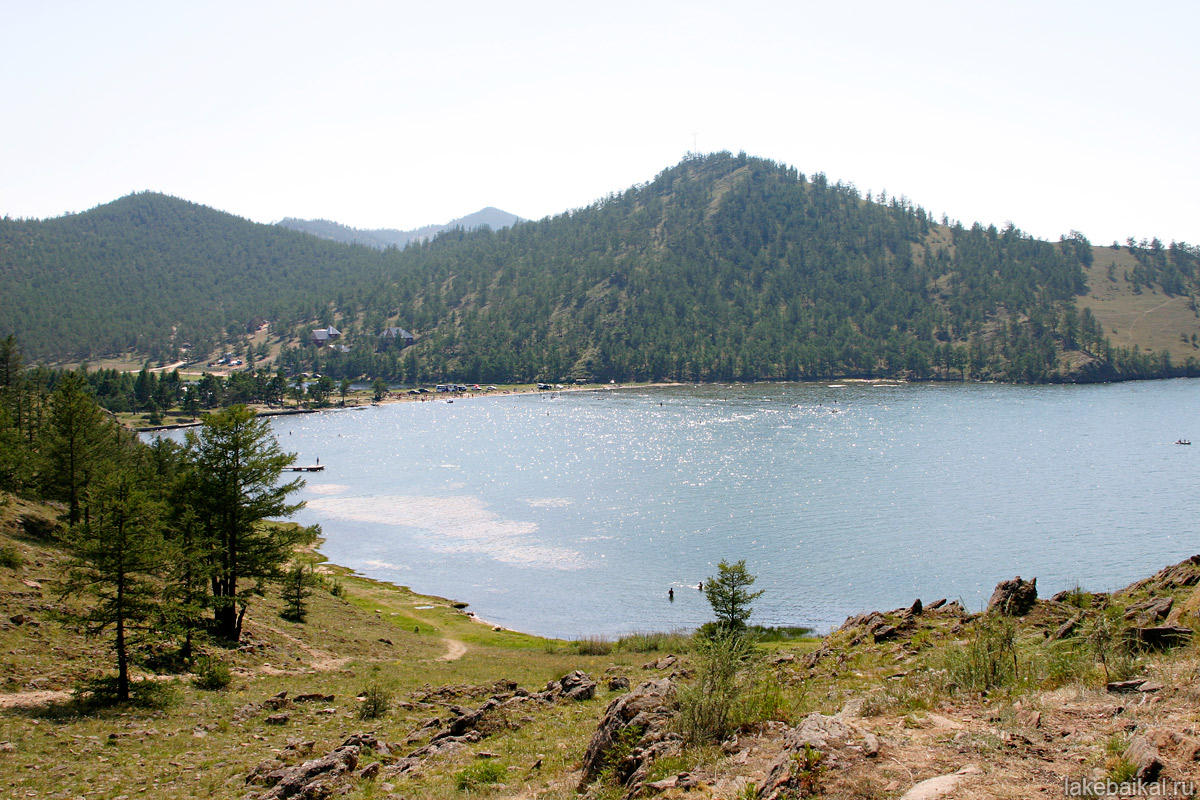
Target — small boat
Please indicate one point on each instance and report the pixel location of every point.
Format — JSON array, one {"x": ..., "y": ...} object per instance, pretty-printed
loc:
[{"x": 1183, "y": 441}]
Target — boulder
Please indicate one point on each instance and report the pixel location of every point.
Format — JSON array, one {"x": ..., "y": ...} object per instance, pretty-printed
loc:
[
  {"x": 666, "y": 662},
  {"x": 1065, "y": 629},
  {"x": 1150, "y": 611},
  {"x": 647, "y": 709},
  {"x": 1161, "y": 637},
  {"x": 941, "y": 786},
  {"x": 816, "y": 731},
  {"x": 577, "y": 686},
  {"x": 1014, "y": 598},
  {"x": 618, "y": 684},
  {"x": 313, "y": 698},
  {"x": 294, "y": 781},
  {"x": 1144, "y": 753}
]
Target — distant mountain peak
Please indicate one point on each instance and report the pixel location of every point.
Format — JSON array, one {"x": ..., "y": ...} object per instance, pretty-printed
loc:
[{"x": 382, "y": 238}]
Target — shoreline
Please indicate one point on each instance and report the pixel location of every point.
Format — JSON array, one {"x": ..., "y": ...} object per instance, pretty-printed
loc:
[
  {"x": 322, "y": 564},
  {"x": 402, "y": 396}
]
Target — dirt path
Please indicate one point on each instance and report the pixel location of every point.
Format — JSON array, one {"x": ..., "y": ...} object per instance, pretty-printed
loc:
[
  {"x": 1143, "y": 315},
  {"x": 29, "y": 699},
  {"x": 454, "y": 650}
]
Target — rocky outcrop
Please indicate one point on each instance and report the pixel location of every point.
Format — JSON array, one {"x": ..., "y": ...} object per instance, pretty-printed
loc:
[
  {"x": 1176, "y": 576},
  {"x": 1143, "y": 753},
  {"x": 1160, "y": 637},
  {"x": 304, "y": 779},
  {"x": 942, "y": 785},
  {"x": 1014, "y": 598},
  {"x": 638, "y": 722},
  {"x": 817, "y": 744},
  {"x": 1148, "y": 612},
  {"x": 575, "y": 686}
]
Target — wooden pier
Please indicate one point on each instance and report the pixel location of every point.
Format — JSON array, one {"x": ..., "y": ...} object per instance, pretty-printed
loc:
[{"x": 313, "y": 468}]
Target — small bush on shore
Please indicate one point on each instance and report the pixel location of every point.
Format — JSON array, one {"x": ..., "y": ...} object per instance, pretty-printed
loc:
[
  {"x": 653, "y": 642},
  {"x": 594, "y": 646}
]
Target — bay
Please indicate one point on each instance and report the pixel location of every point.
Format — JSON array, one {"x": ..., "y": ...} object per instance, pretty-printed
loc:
[{"x": 573, "y": 513}]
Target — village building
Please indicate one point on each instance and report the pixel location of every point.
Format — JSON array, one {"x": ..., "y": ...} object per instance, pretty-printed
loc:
[
  {"x": 392, "y": 336},
  {"x": 325, "y": 336}
]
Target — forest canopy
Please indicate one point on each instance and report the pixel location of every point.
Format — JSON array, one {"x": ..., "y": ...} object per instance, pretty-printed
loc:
[{"x": 723, "y": 267}]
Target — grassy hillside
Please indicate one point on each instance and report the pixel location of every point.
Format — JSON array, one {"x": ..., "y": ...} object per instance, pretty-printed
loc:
[
  {"x": 1139, "y": 315},
  {"x": 917, "y": 695}
]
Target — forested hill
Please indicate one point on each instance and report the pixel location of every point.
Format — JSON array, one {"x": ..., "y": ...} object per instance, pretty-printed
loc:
[
  {"x": 728, "y": 267},
  {"x": 149, "y": 272},
  {"x": 723, "y": 267}
]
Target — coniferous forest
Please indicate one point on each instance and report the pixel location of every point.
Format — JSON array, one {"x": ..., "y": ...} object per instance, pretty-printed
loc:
[{"x": 724, "y": 267}]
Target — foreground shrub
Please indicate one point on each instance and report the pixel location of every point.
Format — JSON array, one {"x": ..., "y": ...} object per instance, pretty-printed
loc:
[
  {"x": 726, "y": 667},
  {"x": 104, "y": 692},
  {"x": 1106, "y": 636},
  {"x": 9, "y": 557},
  {"x": 376, "y": 701},
  {"x": 987, "y": 660},
  {"x": 479, "y": 774},
  {"x": 212, "y": 674}
]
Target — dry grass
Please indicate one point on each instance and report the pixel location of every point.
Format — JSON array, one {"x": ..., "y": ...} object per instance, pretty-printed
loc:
[{"x": 1150, "y": 320}]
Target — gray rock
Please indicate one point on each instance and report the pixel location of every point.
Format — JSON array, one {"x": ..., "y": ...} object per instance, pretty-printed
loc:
[
  {"x": 1150, "y": 611},
  {"x": 816, "y": 731},
  {"x": 647, "y": 707},
  {"x": 941, "y": 786},
  {"x": 1014, "y": 598},
  {"x": 1160, "y": 637},
  {"x": 293, "y": 781},
  {"x": 1144, "y": 753}
]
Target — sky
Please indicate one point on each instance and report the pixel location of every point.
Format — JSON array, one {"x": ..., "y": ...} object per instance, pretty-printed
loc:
[{"x": 1055, "y": 116}]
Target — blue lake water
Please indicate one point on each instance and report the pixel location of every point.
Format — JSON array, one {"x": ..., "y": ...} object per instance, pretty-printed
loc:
[{"x": 573, "y": 514}]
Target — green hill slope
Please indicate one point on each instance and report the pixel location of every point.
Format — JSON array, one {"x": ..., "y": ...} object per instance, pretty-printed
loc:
[
  {"x": 723, "y": 267},
  {"x": 149, "y": 272},
  {"x": 734, "y": 268}
]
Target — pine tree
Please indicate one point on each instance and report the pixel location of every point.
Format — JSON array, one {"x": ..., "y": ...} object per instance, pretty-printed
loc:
[
  {"x": 297, "y": 585},
  {"x": 238, "y": 463},
  {"x": 729, "y": 596},
  {"x": 77, "y": 442},
  {"x": 116, "y": 551}
]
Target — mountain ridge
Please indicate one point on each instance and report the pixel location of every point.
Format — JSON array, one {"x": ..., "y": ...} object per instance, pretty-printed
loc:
[
  {"x": 381, "y": 238},
  {"x": 721, "y": 267}
]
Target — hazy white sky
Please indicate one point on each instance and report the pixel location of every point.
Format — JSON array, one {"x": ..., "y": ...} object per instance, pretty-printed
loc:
[{"x": 1054, "y": 115}]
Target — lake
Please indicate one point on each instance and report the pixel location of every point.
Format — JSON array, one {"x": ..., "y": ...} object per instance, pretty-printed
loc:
[{"x": 572, "y": 514}]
